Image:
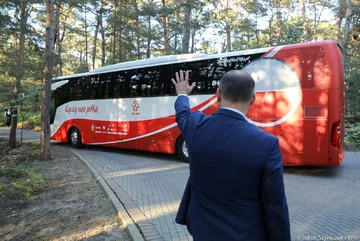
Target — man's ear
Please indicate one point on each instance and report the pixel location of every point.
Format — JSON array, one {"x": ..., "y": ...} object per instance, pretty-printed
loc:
[
  {"x": 218, "y": 95},
  {"x": 252, "y": 100}
]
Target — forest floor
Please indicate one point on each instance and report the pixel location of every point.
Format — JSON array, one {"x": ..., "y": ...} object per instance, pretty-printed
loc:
[{"x": 52, "y": 200}]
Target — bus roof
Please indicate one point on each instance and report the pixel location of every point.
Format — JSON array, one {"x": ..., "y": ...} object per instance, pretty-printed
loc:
[
  {"x": 162, "y": 60},
  {"x": 150, "y": 62}
]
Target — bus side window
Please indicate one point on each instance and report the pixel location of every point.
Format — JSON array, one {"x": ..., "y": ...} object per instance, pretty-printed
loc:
[
  {"x": 152, "y": 81},
  {"x": 89, "y": 87},
  {"x": 165, "y": 80},
  {"x": 157, "y": 82},
  {"x": 61, "y": 95},
  {"x": 103, "y": 86},
  {"x": 148, "y": 82},
  {"x": 217, "y": 70},
  {"x": 199, "y": 76},
  {"x": 52, "y": 106},
  {"x": 75, "y": 89},
  {"x": 130, "y": 79},
  {"x": 120, "y": 87},
  {"x": 110, "y": 84}
]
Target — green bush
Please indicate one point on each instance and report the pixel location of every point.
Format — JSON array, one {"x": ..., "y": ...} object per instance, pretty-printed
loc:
[
  {"x": 31, "y": 121},
  {"x": 2, "y": 118},
  {"x": 352, "y": 132},
  {"x": 28, "y": 121}
]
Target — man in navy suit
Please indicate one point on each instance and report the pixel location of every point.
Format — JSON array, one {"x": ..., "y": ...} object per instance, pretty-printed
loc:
[{"x": 236, "y": 188}]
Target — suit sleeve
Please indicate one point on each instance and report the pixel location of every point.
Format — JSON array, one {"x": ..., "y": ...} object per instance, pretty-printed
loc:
[
  {"x": 276, "y": 214},
  {"x": 183, "y": 112}
]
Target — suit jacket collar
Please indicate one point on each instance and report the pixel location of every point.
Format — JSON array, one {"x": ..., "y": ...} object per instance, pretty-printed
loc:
[{"x": 230, "y": 113}]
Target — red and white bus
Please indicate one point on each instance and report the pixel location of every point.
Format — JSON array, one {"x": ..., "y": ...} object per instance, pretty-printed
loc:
[{"x": 299, "y": 90}]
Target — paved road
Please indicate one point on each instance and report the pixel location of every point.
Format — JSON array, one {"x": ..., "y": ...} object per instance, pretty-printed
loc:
[
  {"x": 27, "y": 135},
  {"x": 323, "y": 201}
]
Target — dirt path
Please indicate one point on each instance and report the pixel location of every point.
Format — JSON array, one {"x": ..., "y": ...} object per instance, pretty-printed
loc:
[{"x": 70, "y": 204}]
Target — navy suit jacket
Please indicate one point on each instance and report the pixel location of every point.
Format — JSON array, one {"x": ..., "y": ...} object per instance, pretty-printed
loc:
[{"x": 236, "y": 188}]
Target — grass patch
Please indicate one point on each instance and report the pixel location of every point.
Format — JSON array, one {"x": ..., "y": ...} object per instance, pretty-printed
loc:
[
  {"x": 17, "y": 179},
  {"x": 19, "y": 182}
]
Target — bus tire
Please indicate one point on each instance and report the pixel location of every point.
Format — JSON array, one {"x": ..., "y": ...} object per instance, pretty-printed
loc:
[
  {"x": 181, "y": 149},
  {"x": 75, "y": 137}
]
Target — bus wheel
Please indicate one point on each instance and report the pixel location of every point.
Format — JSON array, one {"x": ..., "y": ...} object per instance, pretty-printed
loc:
[
  {"x": 75, "y": 137},
  {"x": 182, "y": 150}
]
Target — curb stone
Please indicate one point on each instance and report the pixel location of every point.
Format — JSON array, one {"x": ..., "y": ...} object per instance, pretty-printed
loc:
[{"x": 129, "y": 226}]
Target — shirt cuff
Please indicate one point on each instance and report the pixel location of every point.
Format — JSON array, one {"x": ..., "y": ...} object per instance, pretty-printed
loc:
[{"x": 183, "y": 95}]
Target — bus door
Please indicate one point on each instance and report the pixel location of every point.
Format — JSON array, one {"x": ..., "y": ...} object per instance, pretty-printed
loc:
[
  {"x": 122, "y": 128},
  {"x": 152, "y": 109}
]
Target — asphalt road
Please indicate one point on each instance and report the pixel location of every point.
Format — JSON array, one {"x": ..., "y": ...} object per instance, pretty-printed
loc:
[{"x": 26, "y": 135}]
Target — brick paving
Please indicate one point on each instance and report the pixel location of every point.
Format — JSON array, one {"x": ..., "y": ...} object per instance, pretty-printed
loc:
[{"x": 324, "y": 202}]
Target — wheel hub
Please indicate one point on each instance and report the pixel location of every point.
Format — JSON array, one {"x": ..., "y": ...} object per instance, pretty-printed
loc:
[
  {"x": 184, "y": 149},
  {"x": 74, "y": 137}
]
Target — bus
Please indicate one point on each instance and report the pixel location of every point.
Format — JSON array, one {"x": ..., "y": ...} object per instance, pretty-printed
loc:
[{"x": 130, "y": 105}]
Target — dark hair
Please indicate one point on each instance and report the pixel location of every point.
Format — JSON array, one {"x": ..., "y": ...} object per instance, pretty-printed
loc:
[{"x": 237, "y": 86}]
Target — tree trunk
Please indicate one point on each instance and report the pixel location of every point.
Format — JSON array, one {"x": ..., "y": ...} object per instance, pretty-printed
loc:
[
  {"x": 165, "y": 25},
  {"x": 186, "y": 30},
  {"x": 114, "y": 32},
  {"x": 193, "y": 40},
  {"x": 166, "y": 39},
  {"x": 317, "y": 18},
  {"x": 86, "y": 42},
  {"x": 57, "y": 4},
  {"x": 103, "y": 48},
  {"x": 103, "y": 42},
  {"x": 148, "y": 51},
  {"x": 228, "y": 40},
  {"x": 271, "y": 29},
  {"x": 347, "y": 30},
  {"x": 175, "y": 44},
  {"x": 93, "y": 57},
  {"x": 48, "y": 71},
  {"x": 137, "y": 30},
  {"x": 279, "y": 22},
  {"x": 61, "y": 34},
  {"x": 341, "y": 15},
  {"x": 257, "y": 31},
  {"x": 120, "y": 54},
  {"x": 305, "y": 27},
  {"x": 19, "y": 73}
]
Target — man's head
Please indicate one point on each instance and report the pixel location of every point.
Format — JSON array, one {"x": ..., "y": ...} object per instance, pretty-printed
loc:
[{"x": 236, "y": 88}]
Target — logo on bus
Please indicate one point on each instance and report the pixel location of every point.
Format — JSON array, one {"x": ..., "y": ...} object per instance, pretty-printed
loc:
[
  {"x": 135, "y": 107},
  {"x": 278, "y": 92}
]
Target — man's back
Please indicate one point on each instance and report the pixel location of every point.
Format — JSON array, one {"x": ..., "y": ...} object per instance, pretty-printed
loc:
[
  {"x": 229, "y": 155},
  {"x": 235, "y": 189}
]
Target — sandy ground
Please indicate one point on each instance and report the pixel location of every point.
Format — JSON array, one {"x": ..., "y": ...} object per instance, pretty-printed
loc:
[{"x": 70, "y": 204}]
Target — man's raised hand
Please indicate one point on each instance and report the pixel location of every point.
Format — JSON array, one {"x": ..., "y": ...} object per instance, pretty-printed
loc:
[{"x": 181, "y": 84}]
